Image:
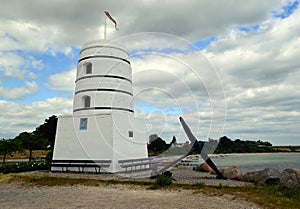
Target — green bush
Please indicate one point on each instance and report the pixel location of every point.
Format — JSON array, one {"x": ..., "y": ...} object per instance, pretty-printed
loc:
[
  {"x": 24, "y": 166},
  {"x": 163, "y": 180}
]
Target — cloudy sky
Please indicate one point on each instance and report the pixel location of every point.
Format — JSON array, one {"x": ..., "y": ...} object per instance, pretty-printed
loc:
[{"x": 229, "y": 67}]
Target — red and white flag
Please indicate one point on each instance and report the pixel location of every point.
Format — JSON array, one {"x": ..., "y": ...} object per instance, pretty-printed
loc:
[{"x": 112, "y": 19}]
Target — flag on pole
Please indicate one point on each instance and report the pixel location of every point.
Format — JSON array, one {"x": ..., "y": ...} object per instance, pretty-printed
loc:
[{"x": 112, "y": 19}]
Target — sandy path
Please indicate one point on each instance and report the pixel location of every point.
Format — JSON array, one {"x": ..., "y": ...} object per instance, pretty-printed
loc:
[{"x": 110, "y": 196}]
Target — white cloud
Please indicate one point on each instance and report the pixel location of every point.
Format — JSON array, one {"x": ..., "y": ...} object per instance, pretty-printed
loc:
[
  {"x": 48, "y": 26},
  {"x": 19, "y": 93},
  {"x": 170, "y": 85},
  {"x": 36, "y": 64},
  {"x": 10, "y": 64},
  {"x": 16, "y": 118},
  {"x": 63, "y": 81},
  {"x": 56, "y": 105},
  {"x": 32, "y": 75},
  {"x": 20, "y": 67},
  {"x": 259, "y": 71},
  {"x": 262, "y": 58},
  {"x": 31, "y": 36}
]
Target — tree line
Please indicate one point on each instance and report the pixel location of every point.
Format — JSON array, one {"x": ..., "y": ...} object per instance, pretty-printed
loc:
[
  {"x": 225, "y": 145},
  {"x": 41, "y": 139}
]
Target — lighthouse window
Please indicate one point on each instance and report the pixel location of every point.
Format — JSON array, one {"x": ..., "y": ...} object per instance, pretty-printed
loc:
[
  {"x": 130, "y": 133},
  {"x": 83, "y": 124},
  {"x": 88, "y": 68},
  {"x": 86, "y": 101}
]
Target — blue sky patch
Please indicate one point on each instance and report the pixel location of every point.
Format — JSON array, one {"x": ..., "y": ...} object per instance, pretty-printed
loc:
[
  {"x": 139, "y": 54},
  {"x": 196, "y": 46},
  {"x": 287, "y": 10},
  {"x": 202, "y": 44},
  {"x": 249, "y": 28},
  {"x": 170, "y": 110},
  {"x": 50, "y": 65}
]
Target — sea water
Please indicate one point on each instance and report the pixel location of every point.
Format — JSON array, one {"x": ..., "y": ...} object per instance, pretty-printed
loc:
[
  {"x": 258, "y": 161},
  {"x": 246, "y": 161}
]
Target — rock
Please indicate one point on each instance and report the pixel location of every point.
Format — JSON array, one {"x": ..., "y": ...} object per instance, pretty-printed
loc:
[
  {"x": 251, "y": 176},
  {"x": 204, "y": 167},
  {"x": 233, "y": 173},
  {"x": 268, "y": 176},
  {"x": 290, "y": 178}
]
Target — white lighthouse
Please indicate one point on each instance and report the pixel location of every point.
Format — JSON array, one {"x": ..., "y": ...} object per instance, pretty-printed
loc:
[{"x": 102, "y": 132}]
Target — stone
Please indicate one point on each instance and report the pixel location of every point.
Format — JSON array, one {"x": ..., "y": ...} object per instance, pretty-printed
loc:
[
  {"x": 290, "y": 178},
  {"x": 251, "y": 176},
  {"x": 204, "y": 167},
  {"x": 268, "y": 176},
  {"x": 233, "y": 173}
]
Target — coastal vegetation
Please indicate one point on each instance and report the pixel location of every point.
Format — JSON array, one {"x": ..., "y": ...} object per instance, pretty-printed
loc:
[
  {"x": 224, "y": 145},
  {"x": 27, "y": 142},
  {"x": 24, "y": 167}
]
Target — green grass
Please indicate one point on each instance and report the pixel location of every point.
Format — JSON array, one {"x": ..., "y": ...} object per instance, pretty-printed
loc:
[
  {"x": 266, "y": 197},
  {"x": 47, "y": 180}
]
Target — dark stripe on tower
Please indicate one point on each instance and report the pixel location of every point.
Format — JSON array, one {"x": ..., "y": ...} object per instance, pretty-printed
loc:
[
  {"x": 103, "y": 56},
  {"x": 103, "y": 108},
  {"x": 112, "y": 90},
  {"x": 104, "y": 76}
]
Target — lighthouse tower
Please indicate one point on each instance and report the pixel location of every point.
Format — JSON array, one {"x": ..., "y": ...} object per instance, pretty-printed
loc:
[{"x": 103, "y": 128}]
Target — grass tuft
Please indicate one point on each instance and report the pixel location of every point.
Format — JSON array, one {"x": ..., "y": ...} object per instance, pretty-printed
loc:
[{"x": 199, "y": 185}]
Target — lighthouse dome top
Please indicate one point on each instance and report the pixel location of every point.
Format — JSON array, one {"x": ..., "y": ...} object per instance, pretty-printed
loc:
[
  {"x": 102, "y": 42},
  {"x": 101, "y": 46}
]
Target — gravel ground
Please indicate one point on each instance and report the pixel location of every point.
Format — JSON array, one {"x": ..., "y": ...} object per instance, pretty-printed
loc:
[
  {"x": 110, "y": 196},
  {"x": 185, "y": 176},
  {"x": 182, "y": 176},
  {"x": 13, "y": 195}
]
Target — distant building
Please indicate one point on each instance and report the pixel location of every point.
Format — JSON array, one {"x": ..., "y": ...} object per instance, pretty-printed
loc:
[{"x": 180, "y": 145}]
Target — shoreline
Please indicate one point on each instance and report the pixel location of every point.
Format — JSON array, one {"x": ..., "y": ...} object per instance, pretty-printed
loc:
[{"x": 252, "y": 153}]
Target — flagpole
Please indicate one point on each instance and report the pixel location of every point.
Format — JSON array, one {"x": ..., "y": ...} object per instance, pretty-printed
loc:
[{"x": 105, "y": 28}]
